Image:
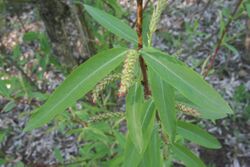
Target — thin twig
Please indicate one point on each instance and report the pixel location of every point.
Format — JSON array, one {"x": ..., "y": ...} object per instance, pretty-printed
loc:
[
  {"x": 221, "y": 38},
  {"x": 147, "y": 91}
]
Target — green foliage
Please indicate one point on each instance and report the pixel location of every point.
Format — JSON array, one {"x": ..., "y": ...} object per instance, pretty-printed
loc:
[
  {"x": 134, "y": 103},
  {"x": 9, "y": 106},
  {"x": 112, "y": 24},
  {"x": 4, "y": 91},
  {"x": 197, "y": 135},
  {"x": 154, "y": 130},
  {"x": 82, "y": 80},
  {"x": 132, "y": 154},
  {"x": 163, "y": 96},
  {"x": 248, "y": 9},
  {"x": 152, "y": 156},
  {"x": 187, "y": 82},
  {"x": 183, "y": 154},
  {"x": 58, "y": 155},
  {"x": 241, "y": 94}
]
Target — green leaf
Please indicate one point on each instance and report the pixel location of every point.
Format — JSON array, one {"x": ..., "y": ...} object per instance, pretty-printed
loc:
[
  {"x": 3, "y": 89},
  {"x": 164, "y": 97},
  {"x": 30, "y": 36},
  {"x": 197, "y": 135},
  {"x": 78, "y": 83},
  {"x": 38, "y": 95},
  {"x": 152, "y": 156},
  {"x": 120, "y": 138},
  {"x": 117, "y": 7},
  {"x": 183, "y": 154},
  {"x": 248, "y": 9},
  {"x": 45, "y": 45},
  {"x": 113, "y": 24},
  {"x": 2, "y": 161},
  {"x": 17, "y": 52},
  {"x": 179, "y": 98},
  {"x": 9, "y": 106},
  {"x": 148, "y": 120},
  {"x": 117, "y": 161},
  {"x": 231, "y": 47},
  {"x": 145, "y": 27},
  {"x": 226, "y": 12},
  {"x": 95, "y": 134},
  {"x": 19, "y": 164},
  {"x": 58, "y": 155},
  {"x": 188, "y": 83},
  {"x": 3, "y": 135},
  {"x": 132, "y": 156},
  {"x": 134, "y": 102}
]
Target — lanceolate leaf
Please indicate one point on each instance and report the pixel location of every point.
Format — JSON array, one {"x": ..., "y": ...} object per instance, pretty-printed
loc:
[
  {"x": 132, "y": 155},
  {"x": 148, "y": 121},
  {"x": 80, "y": 81},
  {"x": 182, "y": 100},
  {"x": 145, "y": 27},
  {"x": 186, "y": 156},
  {"x": 134, "y": 104},
  {"x": 113, "y": 24},
  {"x": 197, "y": 135},
  {"x": 163, "y": 96},
  {"x": 187, "y": 82},
  {"x": 152, "y": 156}
]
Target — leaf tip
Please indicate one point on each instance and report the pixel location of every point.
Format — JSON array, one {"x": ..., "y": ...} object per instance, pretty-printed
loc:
[{"x": 27, "y": 128}]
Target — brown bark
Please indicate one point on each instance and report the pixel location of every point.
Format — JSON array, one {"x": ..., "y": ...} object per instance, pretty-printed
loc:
[
  {"x": 65, "y": 30},
  {"x": 65, "y": 27}
]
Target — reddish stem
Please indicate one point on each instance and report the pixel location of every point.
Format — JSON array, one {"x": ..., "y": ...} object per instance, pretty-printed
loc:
[
  {"x": 212, "y": 60},
  {"x": 139, "y": 17}
]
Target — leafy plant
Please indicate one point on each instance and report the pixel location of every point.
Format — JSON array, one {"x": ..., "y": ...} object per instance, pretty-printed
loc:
[{"x": 154, "y": 95}]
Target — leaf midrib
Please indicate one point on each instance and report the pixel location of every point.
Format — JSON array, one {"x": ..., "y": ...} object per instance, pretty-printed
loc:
[
  {"x": 80, "y": 83},
  {"x": 190, "y": 158},
  {"x": 152, "y": 57},
  {"x": 146, "y": 113},
  {"x": 197, "y": 135},
  {"x": 138, "y": 138},
  {"x": 131, "y": 38},
  {"x": 164, "y": 102}
]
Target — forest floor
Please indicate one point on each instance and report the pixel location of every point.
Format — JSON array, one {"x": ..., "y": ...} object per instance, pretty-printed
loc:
[{"x": 231, "y": 77}]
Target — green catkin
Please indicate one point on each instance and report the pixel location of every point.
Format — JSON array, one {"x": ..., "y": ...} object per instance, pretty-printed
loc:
[
  {"x": 105, "y": 116},
  {"x": 187, "y": 110},
  {"x": 127, "y": 77},
  {"x": 103, "y": 84},
  {"x": 161, "y": 5}
]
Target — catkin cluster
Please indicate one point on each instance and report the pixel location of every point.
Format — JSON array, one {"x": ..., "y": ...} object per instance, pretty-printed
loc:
[
  {"x": 127, "y": 77},
  {"x": 187, "y": 110},
  {"x": 106, "y": 115},
  {"x": 103, "y": 84},
  {"x": 161, "y": 5}
]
